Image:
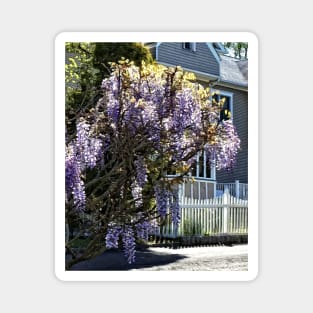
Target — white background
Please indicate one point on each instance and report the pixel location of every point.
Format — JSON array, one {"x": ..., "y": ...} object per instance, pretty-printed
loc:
[
  {"x": 28, "y": 30},
  {"x": 59, "y": 196}
]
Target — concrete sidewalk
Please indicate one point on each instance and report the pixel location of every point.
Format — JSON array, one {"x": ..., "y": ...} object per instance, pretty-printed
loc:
[{"x": 220, "y": 258}]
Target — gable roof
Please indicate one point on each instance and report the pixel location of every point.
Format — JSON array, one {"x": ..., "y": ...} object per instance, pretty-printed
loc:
[{"x": 233, "y": 70}]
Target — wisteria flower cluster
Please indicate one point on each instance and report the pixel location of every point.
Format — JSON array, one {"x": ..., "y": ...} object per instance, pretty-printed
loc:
[
  {"x": 224, "y": 150},
  {"x": 82, "y": 153},
  {"x": 127, "y": 234}
]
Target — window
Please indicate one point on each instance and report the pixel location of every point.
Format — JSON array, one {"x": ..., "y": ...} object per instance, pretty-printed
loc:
[
  {"x": 225, "y": 99},
  {"x": 189, "y": 46},
  {"x": 202, "y": 167}
]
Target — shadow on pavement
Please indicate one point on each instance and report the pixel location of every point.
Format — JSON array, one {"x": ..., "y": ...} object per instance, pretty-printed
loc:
[{"x": 114, "y": 260}]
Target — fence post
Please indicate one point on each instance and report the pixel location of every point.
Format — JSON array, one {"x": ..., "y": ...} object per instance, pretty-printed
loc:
[
  {"x": 237, "y": 189},
  {"x": 225, "y": 209}
]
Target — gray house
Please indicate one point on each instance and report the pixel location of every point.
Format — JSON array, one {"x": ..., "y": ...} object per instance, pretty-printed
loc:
[{"x": 214, "y": 68}]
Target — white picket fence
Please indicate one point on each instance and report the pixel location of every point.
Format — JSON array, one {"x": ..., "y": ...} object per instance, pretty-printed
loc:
[{"x": 220, "y": 215}]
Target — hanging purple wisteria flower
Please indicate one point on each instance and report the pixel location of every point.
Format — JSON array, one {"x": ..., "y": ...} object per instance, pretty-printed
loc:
[
  {"x": 143, "y": 229},
  {"x": 73, "y": 183},
  {"x": 162, "y": 200},
  {"x": 112, "y": 236},
  {"x": 82, "y": 153},
  {"x": 141, "y": 171},
  {"x": 225, "y": 149},
  {"x": 175, "y": 208},
  {"x": 129, "y": 244},
  {"x": 136, "y": 191}
]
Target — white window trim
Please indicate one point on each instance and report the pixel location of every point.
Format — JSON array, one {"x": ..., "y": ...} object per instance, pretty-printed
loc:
[
  {"x": 157, "y": 51},
  {"x": 192, "y": 48},
  {"x": 216, "y": 56}
]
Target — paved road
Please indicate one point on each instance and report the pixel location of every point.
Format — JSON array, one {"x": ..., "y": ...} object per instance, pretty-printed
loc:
[
  {"x": 220, "y": 258},
  {"x": 206, "y": 259}
]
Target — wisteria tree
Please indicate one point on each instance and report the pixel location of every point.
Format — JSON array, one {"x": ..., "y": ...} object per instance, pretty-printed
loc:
[{"x": 151, "y": 120}]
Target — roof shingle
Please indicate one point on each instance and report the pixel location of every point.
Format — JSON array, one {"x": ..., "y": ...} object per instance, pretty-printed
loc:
[{"x": 233, "y": 70}]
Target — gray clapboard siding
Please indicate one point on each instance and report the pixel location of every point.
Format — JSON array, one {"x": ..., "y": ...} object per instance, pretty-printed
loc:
[
  {"x": 240, "y": 119},
  {"x": 201, "y": 60}
]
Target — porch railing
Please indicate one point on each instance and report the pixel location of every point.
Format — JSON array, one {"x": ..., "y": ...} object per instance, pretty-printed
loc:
[
  {"x": 201, "y": 189},
  {"x": 236, "y": 189}
]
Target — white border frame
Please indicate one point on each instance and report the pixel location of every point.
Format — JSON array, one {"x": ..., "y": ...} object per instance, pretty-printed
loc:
[{"x": 253, "y": 163}]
